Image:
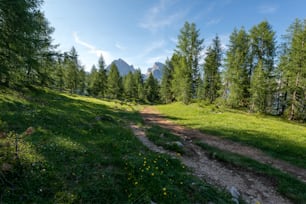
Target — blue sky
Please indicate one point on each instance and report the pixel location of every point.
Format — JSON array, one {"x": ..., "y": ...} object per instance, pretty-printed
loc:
[{"x": 144, "y": 31}]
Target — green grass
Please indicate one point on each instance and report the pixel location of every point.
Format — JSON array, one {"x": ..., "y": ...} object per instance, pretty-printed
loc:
[
  {"x": 288, "y": 186},
  {"x": 164, "y": 138},
  {"x": 279, "y": 138},
  {"x": 81, "y": 151}
]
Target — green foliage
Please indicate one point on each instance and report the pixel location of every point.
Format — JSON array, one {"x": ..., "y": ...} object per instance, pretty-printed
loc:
[
  {"x": 114, "y": 83},
  {"x": 293, "y": 72},
  {"x": 151, "y": 88},
  {"x": 212, "y": 78},
  {"x": 129, "y": 86},
  {"x": 182, "y": 79},
  {"x": 25, "y": 48},
  {"x": 237, "y": 64},
  {"x": 278, "y": 138},
  {"x": 262, "y": 39},
  {"x": 166, "y": 94},
  {"x": 189, "y": 48}
]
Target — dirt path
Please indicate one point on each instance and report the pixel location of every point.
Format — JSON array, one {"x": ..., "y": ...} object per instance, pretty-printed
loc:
[
  {"x": 252, "y": 188},
  {"x": 153, "y": 117}
]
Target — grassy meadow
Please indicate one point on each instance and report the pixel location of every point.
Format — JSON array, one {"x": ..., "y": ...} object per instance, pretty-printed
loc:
[
  {"x": 74, "y": 149},
  {"x": 279, "y": 138}
]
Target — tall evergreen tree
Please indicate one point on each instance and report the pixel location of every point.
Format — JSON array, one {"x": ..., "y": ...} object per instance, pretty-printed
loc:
[
  {"x": 190, "y": 46},
  {"x": 181, "y": 85},
  {"x": 293, "y": 71},
  {"x": 72, "y": 70},
  {"x": 129, "y": 86},
  {"x": 151, "y": 89},
  {"x": 165, "y": 87},
  {"x": 102, "y": 77},
  {"x": 237, "y": 64},
  {"x": 212, "y": 79},
  {"x": 262, "y": 39},
  {"x": 23, "y": 46},
  {"x": 138, "y": 85},
  {"x": 93, "y": 85},
  {"x": 113, "y": 82}
]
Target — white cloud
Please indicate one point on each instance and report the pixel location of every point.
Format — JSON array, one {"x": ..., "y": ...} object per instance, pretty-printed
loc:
[
  {"x": 120, "y": 47},
  {"x": 159, "y": 16},
  {"x": 268, "y": 8},
  {"x": 213, "y": 21},
  {"x": 93, "y": 50}
]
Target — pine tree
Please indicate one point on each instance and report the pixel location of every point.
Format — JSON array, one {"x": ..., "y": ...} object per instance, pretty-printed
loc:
[
  {"x": 165, "y": 87},
  {"x": 262, "y": 39},
  {"x": 151, "y": 89},
  {"x": 190, "y": 46},
  {"x": 237, "y": 64},
  {"x": 113, "y": 82},
  {"x": 212, "y": 79}
]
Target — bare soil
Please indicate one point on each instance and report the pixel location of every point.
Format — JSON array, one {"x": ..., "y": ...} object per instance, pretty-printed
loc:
[{"x": 252, "y": 187}]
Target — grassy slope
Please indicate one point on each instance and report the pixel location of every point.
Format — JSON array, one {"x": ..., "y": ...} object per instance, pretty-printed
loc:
[
  {"x": 275, "y": 136},
  {"x": 75, "y": 157}
]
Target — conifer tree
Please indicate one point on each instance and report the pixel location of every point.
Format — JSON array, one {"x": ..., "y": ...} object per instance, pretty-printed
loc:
[
  {"x": 166, "y": 94},
  {"x": 182, "y": 79},
  {"x": 189, "y": 47},
  {"x": 262, "y": 39},
  {"x": 212, "y": 79},
  {"x": 237, "y": 64},
  {"x": 138, "y": 85},
  {"x": 114, "y": 82},
  {"x": 93, "y": 85},
  {"x": 151, "y": 89},
  {"x": 102, "y": 77},
  {"x": 72, "y": 70},
  {"x": 293, "y": 71},
  {"x": 129, "y": 86}
]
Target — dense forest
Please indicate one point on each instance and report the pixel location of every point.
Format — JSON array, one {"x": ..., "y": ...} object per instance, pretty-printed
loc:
[{"x": 255, "y": 73}]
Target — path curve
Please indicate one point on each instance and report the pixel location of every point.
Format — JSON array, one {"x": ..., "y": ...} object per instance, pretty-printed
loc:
[
  {"x": 152, "y": 116},
  {"x": 252, "y": 188}
]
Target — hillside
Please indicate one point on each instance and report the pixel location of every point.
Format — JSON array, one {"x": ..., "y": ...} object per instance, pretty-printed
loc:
[{"x": 74, "y": 149}]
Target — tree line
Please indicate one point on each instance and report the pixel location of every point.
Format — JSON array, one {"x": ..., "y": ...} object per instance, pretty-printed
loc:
[
  {"x": 28, "y": 57},
  {"x": 254, "y": 73}
]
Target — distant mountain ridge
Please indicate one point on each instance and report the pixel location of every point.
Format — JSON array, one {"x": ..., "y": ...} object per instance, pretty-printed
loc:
[
  {"x": 157, "y": 71},
  {"x": 124, "y": 68}
]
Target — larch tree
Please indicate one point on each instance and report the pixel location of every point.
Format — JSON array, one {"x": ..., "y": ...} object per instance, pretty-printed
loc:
[
  {"x": 151, "y": 89},
  {"x": 114, "y": 82},
  {"x": 189, "y": 47},
  {"x": 237, "y": 64},
  {"x": 165, "y": 86},
  {"x": 212, "y": 64},
  {"x": 138, "y": 85},
  {"x": 262, "y": 41},
  {"x": 293, "y": 71}
]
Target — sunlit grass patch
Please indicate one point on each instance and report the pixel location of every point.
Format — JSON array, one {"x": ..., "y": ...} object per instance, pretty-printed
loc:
[{"x": 279, "y": 138}]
